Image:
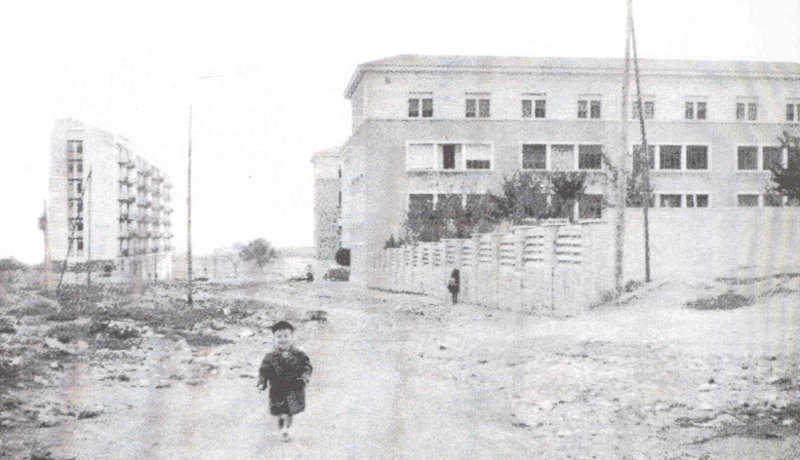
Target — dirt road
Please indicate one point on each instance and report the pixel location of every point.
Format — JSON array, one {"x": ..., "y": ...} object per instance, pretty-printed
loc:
[{"x": 402, "y": 377}]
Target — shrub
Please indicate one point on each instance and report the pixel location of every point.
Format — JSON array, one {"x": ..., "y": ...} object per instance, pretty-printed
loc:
[
  {"x": 343, "y": 257},
  {"x": 35, "y": 306},
  {"x": 727, "y": 301},
  {"x": 6, "y": 326},
  {"x": 337, "y": 274},
  {"x": 62, "y": 316},
  {"x": 68, "y": 333}
]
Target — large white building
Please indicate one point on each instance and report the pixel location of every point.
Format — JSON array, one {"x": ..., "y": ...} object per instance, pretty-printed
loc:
[
  {"x": 119, "y": 216},
  {"x": 428, "y": 129}
]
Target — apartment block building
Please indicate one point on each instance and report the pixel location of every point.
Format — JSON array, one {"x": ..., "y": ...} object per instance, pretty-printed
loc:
[
  {"x": 106, "y": 204},
  {"x": 432, "y": 128}
]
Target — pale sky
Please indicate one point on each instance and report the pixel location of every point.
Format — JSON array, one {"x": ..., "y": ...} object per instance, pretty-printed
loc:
[{"x": 130, "y": 67}]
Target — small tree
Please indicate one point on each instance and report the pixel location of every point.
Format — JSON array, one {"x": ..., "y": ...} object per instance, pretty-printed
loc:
[
  {"x": 568, "y": 188},
  {"x": 259, "y": 251},
  {"x": 786, "y": 180}
]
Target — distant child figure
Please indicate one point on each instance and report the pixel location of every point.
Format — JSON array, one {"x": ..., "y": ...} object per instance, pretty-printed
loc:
[
  {"x": 287, "y": 371},
  {"x": 453, "y": 284}
]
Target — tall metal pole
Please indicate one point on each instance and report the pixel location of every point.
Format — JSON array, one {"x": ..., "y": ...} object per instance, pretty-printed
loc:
[
  {"x": 619, "y": 233},
  {"x": 189, "y": 214},
  {"x": 644, "y": 162}
]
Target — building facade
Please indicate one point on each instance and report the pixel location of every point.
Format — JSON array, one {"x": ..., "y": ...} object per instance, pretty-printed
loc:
[
  {"x": 107, "y": 205},
  {"x": 327, "y": 202},
  {"x": 433, "y": 128}
]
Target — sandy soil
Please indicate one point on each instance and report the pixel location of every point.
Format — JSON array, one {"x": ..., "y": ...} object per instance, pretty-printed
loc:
[{"x": 399, "y": 376}]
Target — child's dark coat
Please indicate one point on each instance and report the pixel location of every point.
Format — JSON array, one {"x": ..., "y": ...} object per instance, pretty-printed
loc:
[{"x": 287, "y": 377}]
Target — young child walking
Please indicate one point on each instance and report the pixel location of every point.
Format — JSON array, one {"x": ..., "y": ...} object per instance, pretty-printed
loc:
[{"x": 286, "y": 370}]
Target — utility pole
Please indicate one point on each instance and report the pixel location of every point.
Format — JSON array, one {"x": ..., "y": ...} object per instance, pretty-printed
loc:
[
  {"x": 643, "y": 162},
  {"x": 189, "y": 214},
  {"x": 621, "y": 185},
  {"x": 89, "y": 230}
]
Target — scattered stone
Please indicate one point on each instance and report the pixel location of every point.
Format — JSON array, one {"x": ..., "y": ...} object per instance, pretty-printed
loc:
[
  {"x": 143, "y": 383},
  {"x": 547, "y": 405},
  {"x": 55, "y": 365},
  {"x": 96, "y": 411},
  {"x": 123, "y": 378},
  {"x": 787, "y": 422},
  {"x": 711, "y": 381},
  {"x": 163, "y": 385},
  {"x": 706, "y": 406},
  {"x": 41, "y": 381},
  {"x": 706, "y": 387},
  {"x": 442, "y": 347},
  {"x": 48, "y": 420},
  {"x": 246, "y": 333},
  {"x": 564, "y": 434},
  {"x": 217, "y": 325}
]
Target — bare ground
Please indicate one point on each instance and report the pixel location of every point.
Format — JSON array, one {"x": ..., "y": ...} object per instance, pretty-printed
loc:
[{"x": 661, "y": 373}]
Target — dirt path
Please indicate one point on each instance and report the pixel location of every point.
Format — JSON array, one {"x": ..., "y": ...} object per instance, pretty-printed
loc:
[{"x": 403, "y": 377}]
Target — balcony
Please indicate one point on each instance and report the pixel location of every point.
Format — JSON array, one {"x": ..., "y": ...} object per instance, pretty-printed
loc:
[
  {"x": 126, "y": 199},
  {"x": 124, "y": 253},
  {"x": 125, "y": 181}
]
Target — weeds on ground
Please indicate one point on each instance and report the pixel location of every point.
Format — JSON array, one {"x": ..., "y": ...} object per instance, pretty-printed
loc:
[
  {"x": 6, "y": 326},
  {"x": 727, "y": 301},
  {"x": 204, "y": 340}
]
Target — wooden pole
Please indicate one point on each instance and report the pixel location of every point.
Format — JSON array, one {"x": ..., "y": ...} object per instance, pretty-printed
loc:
[
  {"x": 619, "y": 231},
  {"x": 189, "y": 214},
  {"x": 89, "y": 231},
  {"x": 643, "y": 162}
]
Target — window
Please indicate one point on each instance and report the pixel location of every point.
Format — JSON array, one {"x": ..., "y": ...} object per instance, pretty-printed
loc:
[
  {"x": 590, "y": 206},
  {"x": 649, "y": 109},
  {"x": 747, "y": 110},
  {"x": 413, "y": 108},
  {"x": 696, "y": 157},
  {"x": 75, "y": 147},
  {"x": 793, "y": 112},
  {"x": 427, "y": 108},
  {"x": 450, "y": 152},
  {"x": 478, "y": 107},
  {"x": 582, "y": 109},
  {"x": 590, "y": 156},
  {"x": 541, "y": 109},
  {"x": 637, "y": 154},
  {"x": 669, "y": 201},
  {"x": 747, "y": 158},
  {"x": 536, "y": 108},
  {"x": 76, "y": 223},
  {"x": 414, "y": 104},
  {"x": 747, "y": 200},
  {"x": 697, "y": 200},
  {"x": 483, "y": 108},
  {"x": 669, "y": 157},
  {"x": 773, "y": 200},
  {"x": 420, "y": 156},
  {"x": 562, "y": 157},
  {"x": 534, "y": 156},
  {"x": 471, "y": 108},
  {"x": 589, "y": 108},
  {"x": 450, "y": 203},
  {"x": 527, "y": 108},
  {"x": 772, "y": 158},
  {"x": 699, "y": 114},
  {"x": 478, "y": 156}
]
